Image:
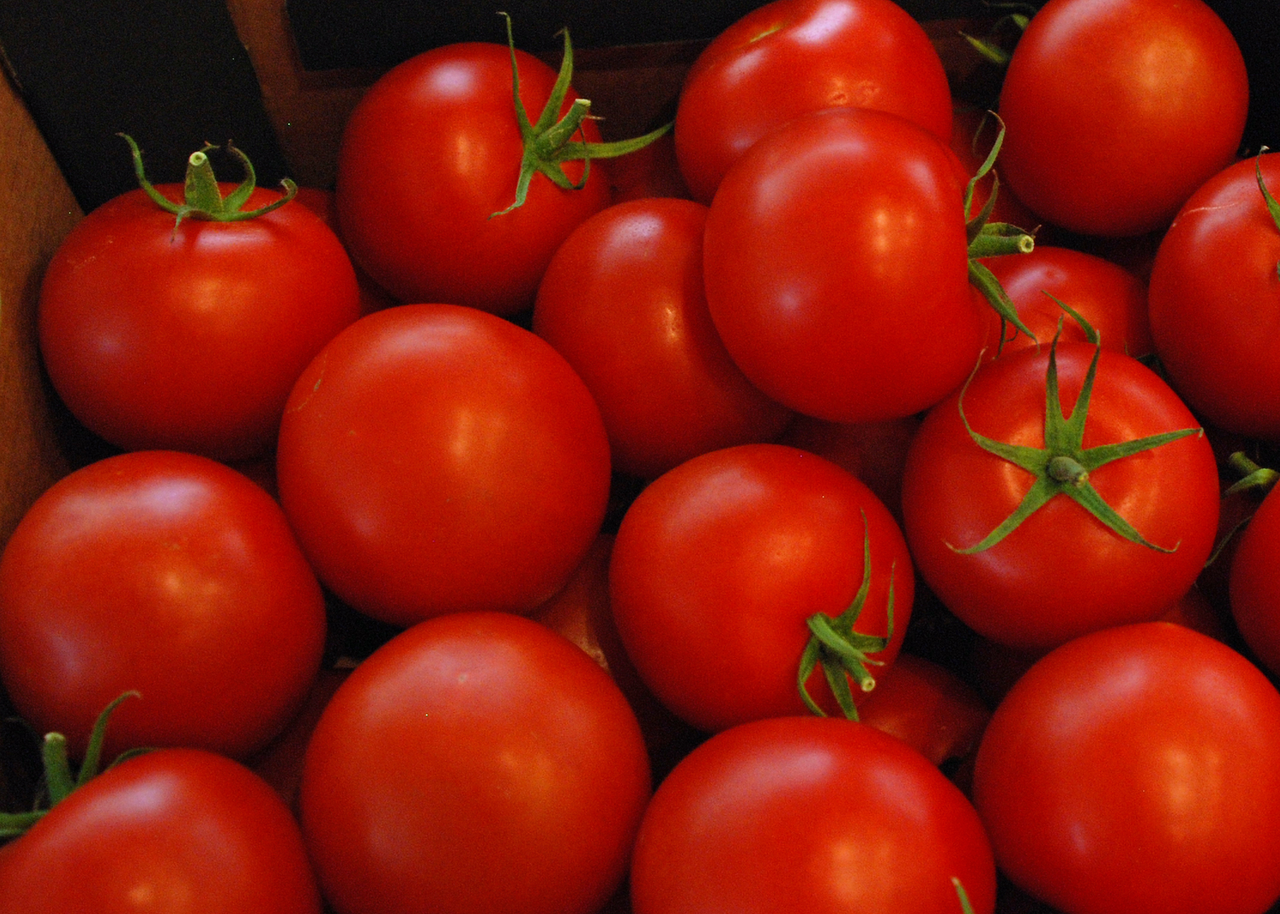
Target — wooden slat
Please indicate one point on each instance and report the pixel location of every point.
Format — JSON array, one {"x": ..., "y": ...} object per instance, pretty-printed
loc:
[{"x": 39, "y": 209}]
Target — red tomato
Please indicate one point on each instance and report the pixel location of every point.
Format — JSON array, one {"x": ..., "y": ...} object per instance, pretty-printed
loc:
[
  {"x": 836, "y": 267},
  {"x": 622, "y": 301},
  {"x": 1133, "y": 769},
  {"x": 184, "y": 831},
  {"x": 1116, "y": 110},
  {"x": 582, "y": 612},
  {"x": 928, "y": 707},
  {"x": 809, "y": 814},
  {"x": 1214, "y": 301},
  {"x": 430, "y": 153},
  {"x": 323, "y": 203},
  {"x": 476, "y": 762},
  {"x": 1110, "y": 298},
  {"x": 190, "y": 338},
  {"x": 168, "y": 574},
  {"x": 790, "y": 57},
  {"x": 436, "y": 458},
  {"x": 1254, "y": 583},
  {"x": 1063, "y": 571},
  {"x": 875, "y": 452},
  {"x": 648, "y": 172},
  {"x": 719, "y": 564}
]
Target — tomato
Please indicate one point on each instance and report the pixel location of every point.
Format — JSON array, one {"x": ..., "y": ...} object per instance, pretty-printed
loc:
[
  {"x": 622, "y": 300},
  {"x": 649, "y": 172},
  {"x": 790, "y": 57},
  {"x": 1117, "y": 110},
  {"x": 1214, "y": 300},
  {"x": 1110, "y": 298},
  {"x": 836, "y": 266},
  {"x": 1133, "y": 769},
  {"x": 720, "y": 564},
  {"x": 873, "y": 451},
  {"x": 929, "y": 707},
  {"x": 809, "y": 814},
  {"x": 435, "y": 458},
  {"x": 165, "y": 573},
  {"x": 583, "y": 613},
  {"x": 476, "y": 762},
  {"x": 430, "y": 153},
  {"x": 185, "y": 831},
  {"x": 1113, "y": 537},
  {"x": 190, "y": 337},
  {"x": 1254, "y": 583}
]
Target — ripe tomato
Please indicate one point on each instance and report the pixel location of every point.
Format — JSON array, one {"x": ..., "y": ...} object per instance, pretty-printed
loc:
[
  {"x": 433, "y": 239},
  {"x": 1117, "y": 110},
  {"x": 435, "y": 458},
  {"x": 476, "y": 762},
  {"x": 928, "y": 707},
  {"x": 165, "y": 573},
  {"x": 1254, "y": 583},
  {"x": 1070, "y": 566},
  {"x": 836, "y": 266},
  {"x": 1133, "y": 769},
  {"x": 873, "y": 451},
  {"x": 809, "y": 814},
  {"x": 1214, "y": 300},
  {"x": 190, "y": 338},
  {"x": 719, "y": 565},
  {"x": 184, "y": 831},
  {"x": 583, "y": 613},
  {"x": 622, "y": 300},
  {"x": 790, "y": 57},
  {"x": 1110, "y": 298}
]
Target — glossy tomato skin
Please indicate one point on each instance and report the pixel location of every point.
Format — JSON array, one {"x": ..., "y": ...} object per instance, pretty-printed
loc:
[
  {"x": 718, "y": 564},
  {"x": 429, "y": 154},
  {"x": 790, "y": 57},
  {"x": 165, "y": 573},
  {"x": 1112, "y": 299},
  {"x": 1254, "y": 583},
  {"x": 1214, "y": 301},
  {"x": 622, "y": 300},
  {"x": 476, "y": 762},
  {"x": 436, "y": 458},
  {"x": 808, "y": 814},
  {"x": 1133, "y": 769},
  {"x": 1117, "y": 111},
  {"x": 190, "y": 338},
  {"x": 836, "y": 267},
  {"x": 185, "y": 831},
  {"x": 1061, "y": 573}
]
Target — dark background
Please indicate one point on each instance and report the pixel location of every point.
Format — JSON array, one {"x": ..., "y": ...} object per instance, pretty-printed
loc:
[{"x": 173, "y": 73}]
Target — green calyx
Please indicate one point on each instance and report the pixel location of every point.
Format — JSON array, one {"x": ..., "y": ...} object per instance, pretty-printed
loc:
[
  {"x": 842, "y": 652},
  {"x": 991, "y": 239},
  {"x": 549, "y": 143},
  {"x": 202, "y": 196},
  {"x": 59, "y": 780},
  {"x": 1064, "y": 464}
]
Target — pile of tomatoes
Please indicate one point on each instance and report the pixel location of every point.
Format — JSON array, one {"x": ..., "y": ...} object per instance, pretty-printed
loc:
[{"x": 821, "y": 503}]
